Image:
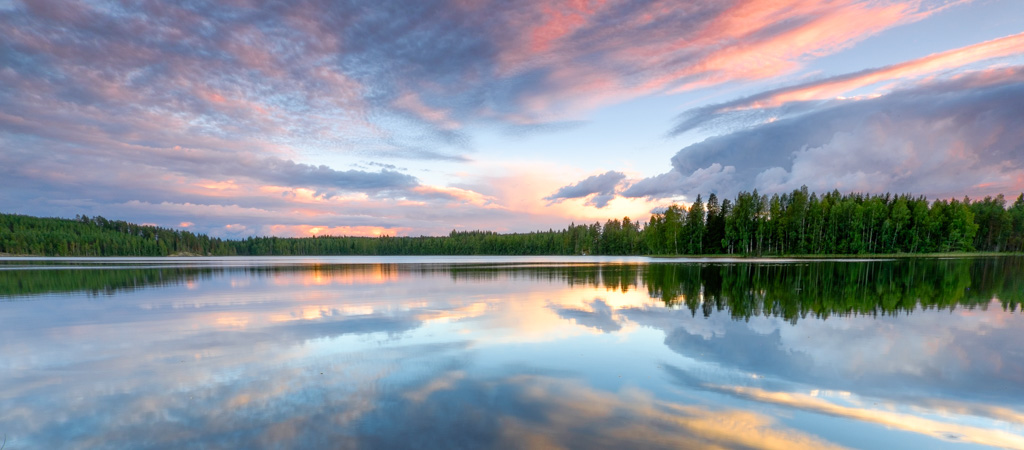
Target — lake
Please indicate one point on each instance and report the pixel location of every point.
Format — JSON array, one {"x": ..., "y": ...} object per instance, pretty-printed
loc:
[{"x": 482, "y": 352}]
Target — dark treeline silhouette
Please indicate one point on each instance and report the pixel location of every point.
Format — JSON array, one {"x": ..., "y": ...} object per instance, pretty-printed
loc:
[
  {"x": 792, "y": 291},
  {"x": 795, "y": 223}
]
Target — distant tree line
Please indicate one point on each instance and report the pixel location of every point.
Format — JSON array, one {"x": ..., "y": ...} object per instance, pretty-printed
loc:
[
  {"x": 801, "y": 223},
  {"x": 97, "y": 236},
  {"x": 795, "y": 223}
]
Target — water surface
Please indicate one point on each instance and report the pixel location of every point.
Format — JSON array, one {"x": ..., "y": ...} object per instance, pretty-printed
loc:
[{"x": 486, "y": 352}]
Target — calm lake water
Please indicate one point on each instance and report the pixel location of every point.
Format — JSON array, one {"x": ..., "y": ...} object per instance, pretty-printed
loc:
[{"x": 511, "y": 352}]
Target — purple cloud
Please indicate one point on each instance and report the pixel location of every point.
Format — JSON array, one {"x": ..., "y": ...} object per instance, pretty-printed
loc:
[
  {"x": 940, "y": 139},
  {"x": 600, "y": 187},
  {"x": 135, "y": 108}
]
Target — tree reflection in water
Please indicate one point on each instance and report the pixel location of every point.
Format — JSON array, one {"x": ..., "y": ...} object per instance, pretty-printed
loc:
[{"x": 791, "y": 290}]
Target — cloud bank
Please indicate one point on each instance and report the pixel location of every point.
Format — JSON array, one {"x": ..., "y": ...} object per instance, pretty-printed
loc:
[
  {"x": 942, "y": 139},
  {"x": 222, "y": 115}
]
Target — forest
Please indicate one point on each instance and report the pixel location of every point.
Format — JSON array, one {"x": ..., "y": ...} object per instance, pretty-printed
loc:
[{"x": 751, "y": 224}]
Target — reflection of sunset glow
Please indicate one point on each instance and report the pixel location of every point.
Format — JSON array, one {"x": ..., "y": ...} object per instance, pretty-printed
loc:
[
  {"x": 339, "y": 275},
  {"x": 330, "y": 338},
  {"x": 303, "y": 313},
  {"x": 902, "y": 421},
  {"x": 995, "y": 412},
  {"x": 650, "y": 422},
  {"x": 514, "y": 317},
  {"x": 356, "y": 310},
  {"x": 532, "y": 317},
  {"x": 451, "y": 315},
  {"x": 232, "y": 321}
]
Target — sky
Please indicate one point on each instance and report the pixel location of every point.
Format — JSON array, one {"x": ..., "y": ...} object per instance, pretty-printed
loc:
[{"x": 417, "y": 117}]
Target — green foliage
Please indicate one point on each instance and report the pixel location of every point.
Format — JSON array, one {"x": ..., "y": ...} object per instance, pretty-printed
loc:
[
  {"x": 803, "y": 223},
  {"x": 796, "y": 223},
  {"x": 97, "y": 236}
]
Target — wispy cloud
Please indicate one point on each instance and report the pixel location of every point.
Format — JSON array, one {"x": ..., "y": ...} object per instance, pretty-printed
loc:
[
  {"x": 347, "y": 75},
  {"x": 768, "y": 103},
  {"x": 108, "y": 104},
  {"x": 898, "y": 420}
]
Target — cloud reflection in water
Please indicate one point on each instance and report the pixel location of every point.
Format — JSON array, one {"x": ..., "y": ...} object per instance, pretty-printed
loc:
[{"x": 488, "y": 355}]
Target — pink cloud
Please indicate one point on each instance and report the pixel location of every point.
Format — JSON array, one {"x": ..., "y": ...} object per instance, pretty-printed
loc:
[
  {"x": 936, "y": 62},
  {"x": 589, "y": 59},
  {"x": 563, "y": 57},
  {"x": 161, "y": 111},
  {"x": 545, "y": 25},
  {"x": 413, "y": 104},
  {"x": 326, "y": 230}
]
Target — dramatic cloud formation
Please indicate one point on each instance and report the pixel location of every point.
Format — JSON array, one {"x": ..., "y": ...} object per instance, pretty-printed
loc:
[
  {"x": 602, "y": 187},
  {"x": 341, "y": 75},
  {"x": 338, "y": 116},
  {"x": 902, "y": 421},
  {"x": 947, "y": 138},
  {"x": 768, "y": 103}
]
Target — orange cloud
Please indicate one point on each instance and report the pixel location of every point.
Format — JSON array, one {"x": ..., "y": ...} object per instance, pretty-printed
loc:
[
  {"x": 218, "y": 185},
  {"x": 325, "y": 230},
  {"x": 936, "y": 62},
  {"x": 459, "y": 194},
  {"x": 891, "y": 419}
]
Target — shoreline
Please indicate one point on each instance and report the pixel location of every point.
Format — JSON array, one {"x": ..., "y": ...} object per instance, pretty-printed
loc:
[{"x": 704, "y": 257}]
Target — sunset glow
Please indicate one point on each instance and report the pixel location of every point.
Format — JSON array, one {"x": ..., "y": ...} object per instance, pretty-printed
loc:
[{"x": 411, "y": 118}]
